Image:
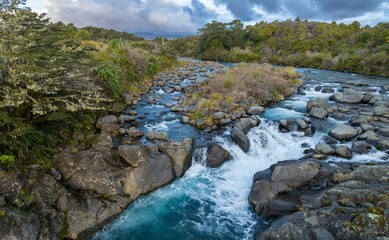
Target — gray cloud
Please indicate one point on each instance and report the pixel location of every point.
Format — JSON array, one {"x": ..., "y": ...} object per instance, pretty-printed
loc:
[{"x": 187, "y": 16}]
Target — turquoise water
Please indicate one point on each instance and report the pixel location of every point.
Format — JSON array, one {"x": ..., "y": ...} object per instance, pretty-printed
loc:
[{"x": 213, "y": 203}]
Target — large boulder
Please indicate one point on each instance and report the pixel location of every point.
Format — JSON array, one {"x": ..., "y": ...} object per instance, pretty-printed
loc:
[
  {"x": 216, "y": 155},
  {"x": 344, "y": 132},
  {"x": 318, "y": 102},
  {"x": 246, "y": 124},
  {"x": 348, "y": 97},
  {"x": 108, "y": 124},
  {"x": 240, "y": 139},
  {"x": 180, "y": 154}
]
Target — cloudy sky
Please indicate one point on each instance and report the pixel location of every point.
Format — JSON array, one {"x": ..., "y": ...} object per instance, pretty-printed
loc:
[{"x": 186, "y": 16}]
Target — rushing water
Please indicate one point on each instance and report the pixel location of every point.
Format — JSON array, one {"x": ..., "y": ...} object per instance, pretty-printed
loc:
[{"x": 211, "y": 203}]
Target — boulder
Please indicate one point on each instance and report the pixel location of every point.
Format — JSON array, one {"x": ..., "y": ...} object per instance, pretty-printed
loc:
[
  {"x": 218, "y": 115},
  {"x": 216, "y": 155},
  {"x": 160, "y": 136},
  {"x": 225, "y": 121},
  {"x": 246, "y": 124},
  {"x": 126, "y": 118},
  {"x": 301, "y": 124},
  {"x": 133, "y": 154},
  {"x": 134, "y": 132},
  {"x": 318, "y": 102},
  {"x": 108, "y": 124},
  {"x": 255, "y": 110},
  {"x": 180, "y": 153},
  {"x": 344, "y": 152},
  {"x": 361, "y": 147},
  {"x": 319, "y": 113},
  {"x": 103, "y": 139},
  {"x": 185, "y": 119},
  {"x": 240, "y": 139},
  {"x": 368, "y": 134},
  {"x": 344, "y": 132},
  {"x": 348, "y": 97},
  {"x": 324, "y": 149}
]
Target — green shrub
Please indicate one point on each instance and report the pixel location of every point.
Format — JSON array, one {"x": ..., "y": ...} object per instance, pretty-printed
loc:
[{"x": 7, "y": 161}]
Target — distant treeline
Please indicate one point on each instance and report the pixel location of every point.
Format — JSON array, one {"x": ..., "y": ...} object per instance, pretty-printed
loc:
[
  {"x": 99, "y": 34},
  {"x": 344, "y": 47}
]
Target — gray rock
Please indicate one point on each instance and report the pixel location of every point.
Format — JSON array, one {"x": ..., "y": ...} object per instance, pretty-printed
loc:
[
  {"x": 361, "y": 147},
  {"x": 218, "y": 115},
  {"x": 301, "y": 124},
  {"x": 385, "y": 87},
  {"x": 295, "y": 174},
  {"x": 375, "y": 99},
  {"x": 216, "y": 155},
  {"x": 177, "y": 109},
  {"x": 239, "y": 138},
  {"x": 57, "y": 175},
  {"x": 154, "y": 135},
  {"x": 348, "y": 97},
  {"x": 134, "y": 132},
  {"x": 367, "y": 134},
  {"x": 225, "y": 121},
  {"x": 318, "y": 102},
  {"x": 246, "y": 124},
  {"x": 381, "y": 111},
  {"x": 133, "y": 154},
  {"x": 319, "y": 113},
  {"x": 126, "y": 118},
  {"x": 327, "y": 90},
  {"x": 324, "y": 149},
  {"x": 343, "y": 132},
  {"x": 180, "y": 154},
  {"x": 200, "y": 80},
  {"x": 185, "y": 119},
  {"x": 366, "y": 127},
  {"x": 103, "y": 139},
  {"x": 255, "y": 110},
  {"x": 108, "y": 124},
  {"x": 384, "y": 131},
  {"x": 344, "y": 152},
  {"x": 319, "y": 156}
]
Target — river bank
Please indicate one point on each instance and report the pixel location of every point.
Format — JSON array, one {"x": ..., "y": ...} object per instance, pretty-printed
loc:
[{"x": 150, "y": 147}]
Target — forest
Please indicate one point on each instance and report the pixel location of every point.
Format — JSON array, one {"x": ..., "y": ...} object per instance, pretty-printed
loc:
[
  {"x": 56, "y": 79},
  {"x": 342, "y": 47}
]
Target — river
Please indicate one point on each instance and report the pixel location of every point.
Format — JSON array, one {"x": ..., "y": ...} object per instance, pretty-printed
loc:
[{"x": 211, "y": 203}]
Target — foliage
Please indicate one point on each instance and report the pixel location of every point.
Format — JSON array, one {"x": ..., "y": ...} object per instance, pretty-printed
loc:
[
  {"x": 102, "y": 34},
  {"x": 7, "y": 161},
  {"x": 296, "y": 43}
]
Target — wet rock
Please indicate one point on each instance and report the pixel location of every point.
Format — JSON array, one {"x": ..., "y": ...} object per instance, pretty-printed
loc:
[
  {"x": 344, "y": 152},
  {"x": 319, "y": 156},
  {"x": 318, "y": 88},
  {"x": 301, "y": 124},
  {"x": 348, "y": 97},
  {"x": 367, "y": 134},
  {"x": 339, "y": 116},
  {"x": 361, "y": 147},
  {"x": 126, "y": 118},
  {"x": 239, "y": 138},
  {"x": 133, "y": 154},
  {"x": 327, "y": 90},
  {"x": 381, "y": 111},
  {"x": 255, "y": 110},
  {"x": 324, "y": 149},
  {"x": 246, "y": 124},
  {"x": 180, "y": 153},
  {"x": 216, "y": 155},
  {"x": 154, "y": 135},
  {"x": 318, "y": 102},
  {"x": 286, "y": 125},
  {"x": 385, "y": 87},
  {"x": 344, "y": 132},
  {"x": 134, "y": 132},
  {"x": 319, "y": 113},
  {"x": 150, "y": 100},
  {"x": 108, "y": 124},
  {"x": 375, "y": 100},
  {"x": 169, "y": 90},
  {"x": 177, "y": 109}
]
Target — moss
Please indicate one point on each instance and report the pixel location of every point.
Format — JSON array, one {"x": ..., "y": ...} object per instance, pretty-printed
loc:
[{"x": 2, "y": 213}]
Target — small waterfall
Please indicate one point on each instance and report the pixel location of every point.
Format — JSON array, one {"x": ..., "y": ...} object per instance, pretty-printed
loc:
[{"x": 209, "y": 203}]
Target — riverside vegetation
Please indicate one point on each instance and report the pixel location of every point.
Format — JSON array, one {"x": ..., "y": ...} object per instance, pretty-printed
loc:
[
  {"x": 67, "y": 167},
  {"x": 342, "y": 47}
]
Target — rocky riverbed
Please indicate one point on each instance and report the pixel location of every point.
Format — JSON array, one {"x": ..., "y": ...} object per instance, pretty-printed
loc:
[{"x": 208, "y": 174}]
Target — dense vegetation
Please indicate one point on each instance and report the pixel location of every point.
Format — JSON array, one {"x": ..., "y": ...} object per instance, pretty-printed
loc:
[
  {"x": 56, "y": 79},
  {"x": 345, "y": 47}
]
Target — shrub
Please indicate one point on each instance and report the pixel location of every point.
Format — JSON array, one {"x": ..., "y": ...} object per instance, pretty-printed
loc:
[{"x": 7, "y": 161}]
